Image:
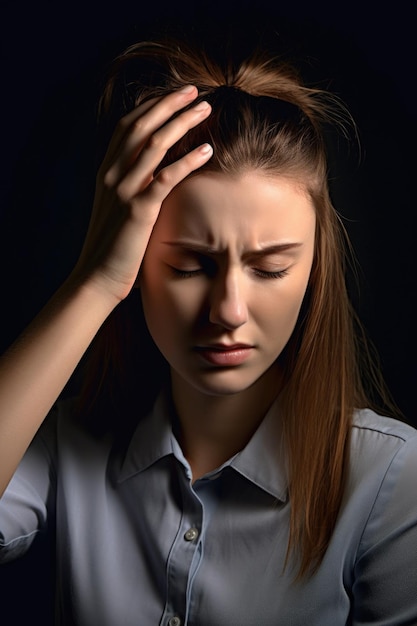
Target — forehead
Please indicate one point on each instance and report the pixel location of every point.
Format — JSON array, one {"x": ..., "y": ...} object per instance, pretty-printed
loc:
[{"x": 214, "y": 207}]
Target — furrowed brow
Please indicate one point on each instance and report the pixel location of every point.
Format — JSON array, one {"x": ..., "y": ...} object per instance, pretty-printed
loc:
[
  {"x": 262, "y": 252},
  {"x": 272, "y": 249},
  {"x": 192, "y": 246}
]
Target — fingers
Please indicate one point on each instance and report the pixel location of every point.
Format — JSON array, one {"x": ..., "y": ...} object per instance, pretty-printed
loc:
[
  {"x": 173, "y": 174},
  {"x": 135, "y": 128},
  {"x": 124, "y": 127},
  {"x": 153, "y": 151},
  {"x": 128, "y": 194}
]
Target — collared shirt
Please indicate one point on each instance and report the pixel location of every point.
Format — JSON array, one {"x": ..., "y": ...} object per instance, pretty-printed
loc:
[{"x": 138, "y": 543}]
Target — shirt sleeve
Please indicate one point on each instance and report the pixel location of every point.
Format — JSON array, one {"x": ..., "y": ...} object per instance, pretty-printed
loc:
[
  {"x": 25, "y": 503},
  {"x": 385, "y": 588}
]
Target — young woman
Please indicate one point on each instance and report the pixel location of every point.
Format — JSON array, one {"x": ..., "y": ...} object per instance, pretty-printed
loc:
[{"x": 222, "y": 463}]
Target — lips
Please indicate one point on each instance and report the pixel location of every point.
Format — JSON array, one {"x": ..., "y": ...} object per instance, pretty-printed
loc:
[{"x": 224, "y": 355}]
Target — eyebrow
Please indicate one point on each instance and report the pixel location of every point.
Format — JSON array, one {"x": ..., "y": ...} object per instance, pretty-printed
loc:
[{"x": 274, "y": 248}]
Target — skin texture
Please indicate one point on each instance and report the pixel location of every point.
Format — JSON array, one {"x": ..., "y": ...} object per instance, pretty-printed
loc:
[{"x": 205, "y": 286}]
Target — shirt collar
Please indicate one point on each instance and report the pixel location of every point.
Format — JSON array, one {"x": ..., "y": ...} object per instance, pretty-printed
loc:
[
  {"x": 262, "y": 461},
  {"x": 151, "y": 441}
]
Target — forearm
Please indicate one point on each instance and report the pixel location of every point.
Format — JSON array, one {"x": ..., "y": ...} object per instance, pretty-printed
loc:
[
  {"x": 38, "y": 365},
  {"x": 126, "y": 206}
]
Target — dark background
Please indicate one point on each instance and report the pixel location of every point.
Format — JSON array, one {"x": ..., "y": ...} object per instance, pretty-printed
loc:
[{"x": 52, "y": 60}]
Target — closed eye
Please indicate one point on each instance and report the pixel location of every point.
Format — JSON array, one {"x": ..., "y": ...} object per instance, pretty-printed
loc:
[
  {"x": 186, "y": 273},
  {"x": 196, "y": 272},
  {"x": 270, "y": 275},
  {"x": 202, "y": 265}
]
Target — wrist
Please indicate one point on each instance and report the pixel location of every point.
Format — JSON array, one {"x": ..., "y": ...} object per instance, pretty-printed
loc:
[{"x": 96, "y": 292}]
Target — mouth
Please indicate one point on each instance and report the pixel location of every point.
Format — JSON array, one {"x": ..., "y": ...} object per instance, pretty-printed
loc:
[{"x": 224, "y": 355}]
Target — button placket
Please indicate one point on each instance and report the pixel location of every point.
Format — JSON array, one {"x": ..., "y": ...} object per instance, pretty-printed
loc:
[{"x": 184, "y": 557}]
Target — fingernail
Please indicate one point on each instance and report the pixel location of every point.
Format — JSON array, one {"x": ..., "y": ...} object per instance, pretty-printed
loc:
[
  {"x": 201, "y": 106},
  {"x": 187, "y": 89},
  {"x": 206, "y": 148}
]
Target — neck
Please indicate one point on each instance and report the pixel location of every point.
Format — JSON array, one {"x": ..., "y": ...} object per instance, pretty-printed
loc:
[{"x": 213, "y": 428}]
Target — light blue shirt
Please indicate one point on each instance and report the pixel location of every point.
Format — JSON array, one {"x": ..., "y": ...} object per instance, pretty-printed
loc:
[{"x": 138, "y": 544}]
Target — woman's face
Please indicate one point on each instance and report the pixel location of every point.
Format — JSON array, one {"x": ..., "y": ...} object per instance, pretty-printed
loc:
[{"x": 224, "y": 276}]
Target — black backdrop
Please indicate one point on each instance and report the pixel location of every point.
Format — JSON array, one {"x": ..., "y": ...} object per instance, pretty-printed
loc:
[{"x": 52, "y": 57}]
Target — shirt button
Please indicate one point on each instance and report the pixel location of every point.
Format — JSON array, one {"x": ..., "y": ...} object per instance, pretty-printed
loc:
[
  {"x": 174, "y": 621},
  {"x": 190, "y": 535}
]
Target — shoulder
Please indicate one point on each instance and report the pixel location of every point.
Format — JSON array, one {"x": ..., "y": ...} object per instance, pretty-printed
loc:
[
  {"x": 377, "y": 440},
  {"x": 367, "y": 423},
  {"x": 63, "y": 432},
  {"x": 381, "y": 506},
  {"x": 383, "y": 461},
  {"x": 381, "y": 488}
]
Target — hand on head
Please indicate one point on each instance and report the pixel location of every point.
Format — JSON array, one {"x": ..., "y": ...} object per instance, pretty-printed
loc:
[{"x": 129, "y": 195}]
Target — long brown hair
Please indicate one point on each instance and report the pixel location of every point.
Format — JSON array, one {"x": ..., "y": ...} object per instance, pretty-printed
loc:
[{"x": 264, "y": 118}]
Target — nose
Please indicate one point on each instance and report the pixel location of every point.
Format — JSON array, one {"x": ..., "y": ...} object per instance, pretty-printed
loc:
[{"x": 228, "y": 306}]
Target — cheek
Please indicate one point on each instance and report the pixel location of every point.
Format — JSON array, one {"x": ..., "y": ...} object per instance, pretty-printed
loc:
[
  {"x": 170, "y": 307},
  {"x": 280, "y": 312},
  {"x": 159, "y": 319},
  {"x": 152, "y": 301}
]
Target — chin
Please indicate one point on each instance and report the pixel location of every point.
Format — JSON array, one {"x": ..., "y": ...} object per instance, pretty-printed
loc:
[{"x": 222, "y": 382}]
